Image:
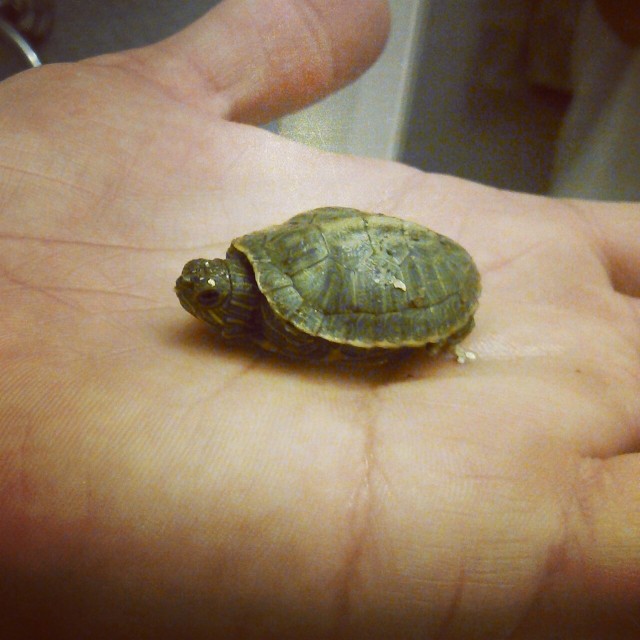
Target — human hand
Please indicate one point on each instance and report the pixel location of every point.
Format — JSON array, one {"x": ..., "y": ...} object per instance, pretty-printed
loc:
[{"x": 157, "y": 484}]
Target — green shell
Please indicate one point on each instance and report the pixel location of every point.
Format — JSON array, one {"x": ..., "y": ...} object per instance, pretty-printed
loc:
[{"x": 366, "y": 280}]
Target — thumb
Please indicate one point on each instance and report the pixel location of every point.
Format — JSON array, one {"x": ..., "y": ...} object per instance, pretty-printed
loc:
[{"x": 255, "y": 60}]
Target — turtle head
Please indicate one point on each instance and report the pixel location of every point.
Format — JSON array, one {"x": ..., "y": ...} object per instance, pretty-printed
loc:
[{"x": 203, "y": 288}]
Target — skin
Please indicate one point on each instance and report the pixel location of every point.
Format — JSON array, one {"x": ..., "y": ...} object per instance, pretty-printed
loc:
[{"x": 155, "y": 484}]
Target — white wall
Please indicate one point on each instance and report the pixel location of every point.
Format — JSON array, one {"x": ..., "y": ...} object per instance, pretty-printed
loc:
[{"x": 368, "y": 118}]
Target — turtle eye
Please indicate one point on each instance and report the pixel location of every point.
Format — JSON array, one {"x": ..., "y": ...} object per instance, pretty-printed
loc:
[{"x": 209, "y": 298}]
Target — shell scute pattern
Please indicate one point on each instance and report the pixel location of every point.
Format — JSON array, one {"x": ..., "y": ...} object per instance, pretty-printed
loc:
[{"x": 363, "y": 279}]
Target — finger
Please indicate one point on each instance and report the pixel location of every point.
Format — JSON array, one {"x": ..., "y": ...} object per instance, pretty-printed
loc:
[
  {"x": 254, "y": 60},
  {"x": 615, "y": 230}
]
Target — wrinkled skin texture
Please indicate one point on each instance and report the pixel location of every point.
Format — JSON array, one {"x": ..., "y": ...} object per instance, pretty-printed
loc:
[{"x": 156, "y": 484}]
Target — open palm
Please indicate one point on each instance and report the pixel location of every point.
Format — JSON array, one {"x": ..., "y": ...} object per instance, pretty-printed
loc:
[{"x": 157, "y": 484}]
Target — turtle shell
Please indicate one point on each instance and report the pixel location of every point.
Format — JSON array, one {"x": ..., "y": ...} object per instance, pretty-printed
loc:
[{"x": 367, "y": 280}]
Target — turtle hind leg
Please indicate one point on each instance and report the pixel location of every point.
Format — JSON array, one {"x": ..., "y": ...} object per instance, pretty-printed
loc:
[{"x": 452, "y": 344}]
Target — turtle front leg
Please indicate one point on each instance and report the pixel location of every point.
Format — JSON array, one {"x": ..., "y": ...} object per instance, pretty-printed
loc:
[{"x": 279, "y": 336}]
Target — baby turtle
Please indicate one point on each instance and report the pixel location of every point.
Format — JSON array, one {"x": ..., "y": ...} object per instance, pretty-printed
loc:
[{"x": 338, "y": 284}]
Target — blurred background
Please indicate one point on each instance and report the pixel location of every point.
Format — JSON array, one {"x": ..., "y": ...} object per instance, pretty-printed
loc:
[{"x": 476, "y": 88}]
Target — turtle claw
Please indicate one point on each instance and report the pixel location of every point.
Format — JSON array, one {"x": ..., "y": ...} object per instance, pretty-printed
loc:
[{"x": 461, "y": 354}]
